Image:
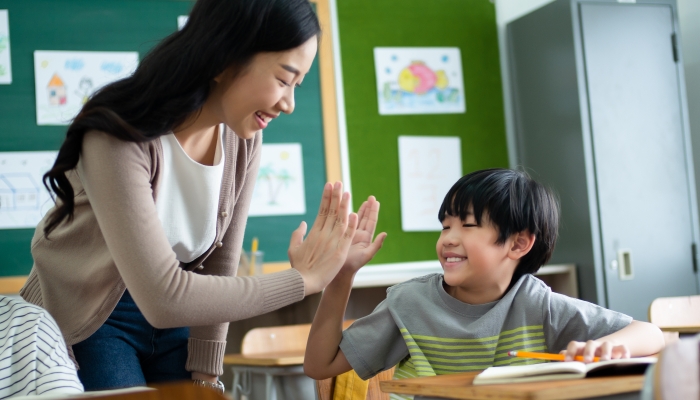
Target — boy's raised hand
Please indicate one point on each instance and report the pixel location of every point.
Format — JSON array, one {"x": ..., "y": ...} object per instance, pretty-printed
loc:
[{"x": 363, "y": 248}]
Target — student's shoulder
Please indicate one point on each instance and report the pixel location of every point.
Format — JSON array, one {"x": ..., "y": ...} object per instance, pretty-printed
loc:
[
  {"x": 19, "y": 310},
  {"x": 414, "y": 287}
]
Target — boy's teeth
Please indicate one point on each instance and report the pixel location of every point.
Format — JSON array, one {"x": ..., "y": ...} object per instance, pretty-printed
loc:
[{"x": 454, "y": 259}]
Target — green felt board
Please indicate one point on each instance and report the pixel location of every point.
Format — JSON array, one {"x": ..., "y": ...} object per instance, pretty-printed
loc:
[
  {"x": 128, "y": 25},
  {"x": 373, "y": 139}
]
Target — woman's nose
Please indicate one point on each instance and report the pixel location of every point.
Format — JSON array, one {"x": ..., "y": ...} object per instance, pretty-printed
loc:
[{"x": 287, "y": 102}]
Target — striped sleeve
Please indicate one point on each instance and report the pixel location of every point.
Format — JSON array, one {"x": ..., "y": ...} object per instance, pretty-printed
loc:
[{"x": 33, "y": 354}]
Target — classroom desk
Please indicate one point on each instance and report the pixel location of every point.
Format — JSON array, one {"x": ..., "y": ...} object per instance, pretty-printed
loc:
[{"x": 459, "y": 386}]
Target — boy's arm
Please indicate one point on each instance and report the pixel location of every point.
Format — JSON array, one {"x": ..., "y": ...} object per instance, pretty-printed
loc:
[
  {"x": 636, "y": 339},
  {"x": 323, "y": 358}
]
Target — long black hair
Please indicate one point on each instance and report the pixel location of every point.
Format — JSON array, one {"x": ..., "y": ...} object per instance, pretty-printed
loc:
[
  {"x": 174, "y": 80},
  {"x": 514, "y": 203}
]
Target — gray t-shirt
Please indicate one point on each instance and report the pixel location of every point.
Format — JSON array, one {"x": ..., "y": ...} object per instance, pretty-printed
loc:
[{"x": 427, "y": 332}]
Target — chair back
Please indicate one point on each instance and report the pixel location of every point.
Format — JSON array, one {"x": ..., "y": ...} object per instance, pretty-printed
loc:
[
  {"x": 675, "y": 312},
  {"x": 10, "y": 285},
  {"x": 325, "y": 388},
  {"x": 276, "y": 339}
]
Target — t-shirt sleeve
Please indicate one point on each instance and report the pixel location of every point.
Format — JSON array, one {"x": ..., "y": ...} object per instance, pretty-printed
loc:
[
  {"x": 568, "y": 319},
  {"x": 374, "y": 343}
]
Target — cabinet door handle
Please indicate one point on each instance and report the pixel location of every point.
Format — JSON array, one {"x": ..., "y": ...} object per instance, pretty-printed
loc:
[{"x": 624, "y": 260}]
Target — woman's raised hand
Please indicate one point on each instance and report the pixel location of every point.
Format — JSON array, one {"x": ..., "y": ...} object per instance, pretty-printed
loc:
[{"x": 319, "y": 257}]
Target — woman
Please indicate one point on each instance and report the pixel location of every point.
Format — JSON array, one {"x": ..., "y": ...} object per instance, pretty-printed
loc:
[{"x": 153, "y": 184}]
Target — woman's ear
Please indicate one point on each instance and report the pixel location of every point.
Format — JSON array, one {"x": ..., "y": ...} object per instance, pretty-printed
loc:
[{"x": 522, "y": 242}]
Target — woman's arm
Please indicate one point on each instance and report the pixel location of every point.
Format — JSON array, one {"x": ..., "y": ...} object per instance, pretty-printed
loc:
[{"x": 117, "y": 179}]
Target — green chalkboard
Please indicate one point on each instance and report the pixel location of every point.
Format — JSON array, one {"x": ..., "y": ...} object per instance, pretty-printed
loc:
[
  {"x": 129, "y": 25},
  {"x": 469, "y": 25}
]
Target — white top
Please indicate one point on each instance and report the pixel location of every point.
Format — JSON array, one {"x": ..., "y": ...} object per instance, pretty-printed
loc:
[
  {"x": 188, "y": 198},
  {"x": 33, "y": 356}
]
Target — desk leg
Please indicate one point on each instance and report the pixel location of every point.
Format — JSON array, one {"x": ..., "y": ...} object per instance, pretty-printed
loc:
[
  {"x": 236, "y": 382},
  {"x": 268, "y": 386}
]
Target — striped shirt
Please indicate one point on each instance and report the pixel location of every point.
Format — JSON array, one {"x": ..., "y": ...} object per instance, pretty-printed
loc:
[
  {"x": 33, "y": 355},
  {"x": 426, "y": 332}
]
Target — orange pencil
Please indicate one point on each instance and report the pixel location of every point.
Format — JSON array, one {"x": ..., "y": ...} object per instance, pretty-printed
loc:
[{"x": 545, "y": 356}]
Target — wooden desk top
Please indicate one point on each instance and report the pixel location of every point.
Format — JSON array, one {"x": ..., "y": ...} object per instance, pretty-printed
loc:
[
  {"x": 682, "y": 329},
  {"x": 459, "y": 386},
  {"x": 278, "y": 359}
]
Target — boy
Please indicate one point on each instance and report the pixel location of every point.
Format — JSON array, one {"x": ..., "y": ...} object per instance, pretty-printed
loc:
[{"x": 499, "y": 227}]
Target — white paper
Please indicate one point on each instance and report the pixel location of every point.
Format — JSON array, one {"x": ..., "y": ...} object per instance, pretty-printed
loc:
[
  {"x": 419, "y": 80},
  {"x": 5, "y": 60},
  {"x": 64, "y": 80},
  {"x": 279, "y": 189},
  {"x": 23, "y": 198},
  {"x": 181, "y": 21},
  {"x": 428, "y": 167}
]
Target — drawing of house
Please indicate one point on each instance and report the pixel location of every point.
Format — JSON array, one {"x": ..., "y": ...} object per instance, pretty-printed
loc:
[
  {"x": 56, "y": 91},
  {"x": 18, "y": 192}
]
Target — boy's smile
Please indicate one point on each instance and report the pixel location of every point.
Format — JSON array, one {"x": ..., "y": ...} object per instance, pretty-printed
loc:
[{"x": 476, "y": 268}]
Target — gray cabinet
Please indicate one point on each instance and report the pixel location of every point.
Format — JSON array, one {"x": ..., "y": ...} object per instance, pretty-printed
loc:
[{"x": 601, "y": 117}]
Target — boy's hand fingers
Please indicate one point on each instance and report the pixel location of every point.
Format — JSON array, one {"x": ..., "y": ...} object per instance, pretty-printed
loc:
[
  {"x": 621, "y": 351},
  {"x": 590, "y": 350},
  {"x": 349, "y": 234},
  {"x": 377, "y": 244},
  {"x": 605, "y": 351},
  {"x": 573, "y": 349},
  {"x": 361, "y": 215}
]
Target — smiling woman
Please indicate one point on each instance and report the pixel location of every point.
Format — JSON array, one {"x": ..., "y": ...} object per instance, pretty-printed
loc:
[{"x": 153, "y": 185}]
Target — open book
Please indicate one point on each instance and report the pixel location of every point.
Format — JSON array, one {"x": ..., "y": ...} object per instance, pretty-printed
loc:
[{"x": 562, "y": 370}]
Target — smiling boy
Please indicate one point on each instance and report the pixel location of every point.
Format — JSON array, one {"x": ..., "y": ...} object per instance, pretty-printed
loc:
[{"x": 499, "y": 227}]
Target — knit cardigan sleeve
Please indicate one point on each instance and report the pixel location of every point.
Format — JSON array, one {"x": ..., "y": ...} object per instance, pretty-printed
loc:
[{"x": 116, "y": 177}]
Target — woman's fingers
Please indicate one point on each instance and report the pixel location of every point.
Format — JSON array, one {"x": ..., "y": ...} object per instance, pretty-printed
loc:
[
  {"x": 323, "y": 207},
  {"x": 349, "y": 233},
  {"x": 298, "y": 236},
  {"x": 332, "y": 216}
]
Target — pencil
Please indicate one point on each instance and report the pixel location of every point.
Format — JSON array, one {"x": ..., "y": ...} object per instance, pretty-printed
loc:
[
  {"x": 545, "y": 356},
  {"x": 251, "y": 270}
]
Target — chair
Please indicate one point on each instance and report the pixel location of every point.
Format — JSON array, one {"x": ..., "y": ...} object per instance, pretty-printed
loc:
[
  {"x": 325, "y": 388},
  {"x": 273, "y": 352},
  {"x": 675, "y": 315},
  {"x": 10, "y": 285}
]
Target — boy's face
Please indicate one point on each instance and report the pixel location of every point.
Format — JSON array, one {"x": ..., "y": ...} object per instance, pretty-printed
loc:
[{"x": 471, "y": 258}]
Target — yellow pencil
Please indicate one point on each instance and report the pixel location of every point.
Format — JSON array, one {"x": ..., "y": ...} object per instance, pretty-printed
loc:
[
  {"x": 251, "y": 270},
  {"x": 545, "y": 356}
]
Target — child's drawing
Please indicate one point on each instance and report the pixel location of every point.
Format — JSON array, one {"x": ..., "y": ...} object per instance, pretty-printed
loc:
[
  {"x": 23, "y": 198},
  {"x": 419, "y": 80},
  {"x": 279, "y": 189},
  {"x": 65, "y": 80},
  {"x": 428, "y": 167},
  {"x": 5, "y": 61}
]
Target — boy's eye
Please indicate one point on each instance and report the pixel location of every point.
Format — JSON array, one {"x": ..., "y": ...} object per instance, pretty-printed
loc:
[
  {"x": 444, "y": 228},
  {"x": 469, "y": 225}
]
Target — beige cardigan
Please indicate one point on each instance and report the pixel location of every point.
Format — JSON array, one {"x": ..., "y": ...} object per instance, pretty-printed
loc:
[{"x": 116, "y": 241}]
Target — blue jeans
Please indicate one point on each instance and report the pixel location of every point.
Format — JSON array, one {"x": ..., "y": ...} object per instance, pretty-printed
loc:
[{"x": 127, "y": 351}]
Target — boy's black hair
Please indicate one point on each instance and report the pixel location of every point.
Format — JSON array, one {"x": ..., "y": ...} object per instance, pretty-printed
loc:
[{"x": 514, "y": 203}]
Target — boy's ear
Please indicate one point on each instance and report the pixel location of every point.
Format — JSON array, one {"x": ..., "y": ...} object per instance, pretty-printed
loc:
[{"x": 522, "y": 243}]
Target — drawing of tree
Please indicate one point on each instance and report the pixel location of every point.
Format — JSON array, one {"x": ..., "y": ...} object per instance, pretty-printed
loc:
[{"x": 275, "y": 181}]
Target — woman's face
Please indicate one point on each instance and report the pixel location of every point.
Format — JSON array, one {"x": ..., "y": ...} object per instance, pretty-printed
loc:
[{"x": 249, "y": 101}]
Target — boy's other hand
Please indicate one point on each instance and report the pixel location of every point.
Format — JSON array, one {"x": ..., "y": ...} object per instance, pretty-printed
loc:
[
  {"x": 363, "y": 249},
  {"x": 606, "y": 350}
]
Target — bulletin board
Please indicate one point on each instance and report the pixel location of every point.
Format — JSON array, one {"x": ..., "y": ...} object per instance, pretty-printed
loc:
[
  {"x": 137, "y": 25},
  {"x": 372, "y": 139}
]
